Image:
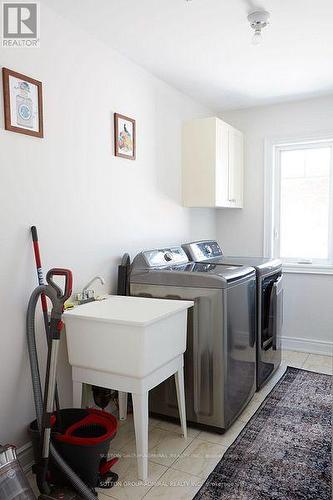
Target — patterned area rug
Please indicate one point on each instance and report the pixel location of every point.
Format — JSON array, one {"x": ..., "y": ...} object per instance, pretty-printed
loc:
[{"x": 284, "y": 452}]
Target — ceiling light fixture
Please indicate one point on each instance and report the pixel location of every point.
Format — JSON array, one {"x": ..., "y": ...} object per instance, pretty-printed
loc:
[{"x": 258, "y": 20}]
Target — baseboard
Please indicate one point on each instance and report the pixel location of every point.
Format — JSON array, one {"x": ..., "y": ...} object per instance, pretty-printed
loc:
[
  {"x": 25, "y": 456},
  {"x": 306, "y": 345}
]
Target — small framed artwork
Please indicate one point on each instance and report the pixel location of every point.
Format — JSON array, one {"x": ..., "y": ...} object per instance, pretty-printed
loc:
[
  {"x": 23, "y": 103},
  {"x": 124, "y": 137}
]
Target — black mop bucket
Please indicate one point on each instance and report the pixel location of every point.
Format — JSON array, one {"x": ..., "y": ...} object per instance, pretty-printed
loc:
[{"x": 82, "y": 437}]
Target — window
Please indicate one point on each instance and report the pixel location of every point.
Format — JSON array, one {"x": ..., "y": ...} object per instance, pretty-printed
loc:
[{"x": 299, "y": 205}]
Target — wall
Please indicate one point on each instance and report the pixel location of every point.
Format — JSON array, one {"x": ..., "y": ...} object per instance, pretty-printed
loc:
[
  {"x": 308, "y": 297},
  {"x": 89, "y": 206}
]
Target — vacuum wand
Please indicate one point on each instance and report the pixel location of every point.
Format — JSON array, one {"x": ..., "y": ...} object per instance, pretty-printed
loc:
[
  {"x": 56, "y": 326},
  {"x": 40, "y": 275}
]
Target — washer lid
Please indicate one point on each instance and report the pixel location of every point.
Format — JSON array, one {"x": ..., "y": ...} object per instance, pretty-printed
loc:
[
  {"x": 262, "y": 265},
  {"x": 158, "y": 267},
  {"x": 210, "y": 251}
]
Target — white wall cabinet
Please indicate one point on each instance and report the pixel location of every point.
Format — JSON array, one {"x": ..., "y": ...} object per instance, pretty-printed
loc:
[{"x": 212, "y": 164}]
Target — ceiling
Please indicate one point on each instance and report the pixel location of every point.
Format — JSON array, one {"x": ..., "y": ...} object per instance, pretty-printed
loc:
[{"x": 203, "y": 47}]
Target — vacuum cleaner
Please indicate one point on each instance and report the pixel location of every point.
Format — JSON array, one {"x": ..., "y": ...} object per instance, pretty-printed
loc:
[
  {"x": 13, "y": 483},
  {"x": 70, "y": 445}
]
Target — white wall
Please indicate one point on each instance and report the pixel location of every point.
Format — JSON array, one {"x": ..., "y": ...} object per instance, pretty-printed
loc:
[
  {"x": 308, "y": 298},
  {"x": 89, "y": 206}
]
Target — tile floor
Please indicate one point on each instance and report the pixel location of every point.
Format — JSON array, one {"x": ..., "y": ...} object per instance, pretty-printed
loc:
[{"x": 178, "y": 467}]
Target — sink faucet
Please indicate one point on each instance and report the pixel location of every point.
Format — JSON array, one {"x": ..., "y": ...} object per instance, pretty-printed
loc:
[
  {"x": 99, "y": 278},
  {"x": 88, "y": 294}
]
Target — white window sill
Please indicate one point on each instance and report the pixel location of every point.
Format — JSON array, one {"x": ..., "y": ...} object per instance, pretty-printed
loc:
[{"x": 306, "y": 269}]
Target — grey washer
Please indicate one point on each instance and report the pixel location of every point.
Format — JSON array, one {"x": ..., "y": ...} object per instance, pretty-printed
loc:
[
  {"x": 220, "y": 359},
  {"x": 269, "y": 301}
]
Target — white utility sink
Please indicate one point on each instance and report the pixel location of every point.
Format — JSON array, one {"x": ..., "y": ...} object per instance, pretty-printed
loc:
[
  {"x": 130, "y": 344},
  {"x": 130, "y": 336}
]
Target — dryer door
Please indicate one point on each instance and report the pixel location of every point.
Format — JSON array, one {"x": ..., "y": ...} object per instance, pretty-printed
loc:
[
  {"x": 277, "y": 313},
  {"x": 271, "y": 338},
  {"x": 270, "y": 328}
]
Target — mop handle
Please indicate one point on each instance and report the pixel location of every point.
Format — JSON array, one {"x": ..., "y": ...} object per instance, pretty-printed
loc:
[{"x": 40, "y": 275}]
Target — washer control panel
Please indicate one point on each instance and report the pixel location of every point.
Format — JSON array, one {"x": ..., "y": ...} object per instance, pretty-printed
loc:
[{"x": 165, "y": 257}]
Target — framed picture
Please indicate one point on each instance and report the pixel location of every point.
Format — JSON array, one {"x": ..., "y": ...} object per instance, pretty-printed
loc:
[
  {"x": 124, "y": 137},
  {"x": 23, "y": 103}
]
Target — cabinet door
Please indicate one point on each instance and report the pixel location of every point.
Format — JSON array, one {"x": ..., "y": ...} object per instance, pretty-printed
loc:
[
  {"x": 222, "y": 165},
  {"x": 198, "y": 162},
  {"x": 235, "y": 168}
]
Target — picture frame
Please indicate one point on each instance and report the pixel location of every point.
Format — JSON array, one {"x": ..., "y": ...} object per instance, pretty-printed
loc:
[
  {"x": 23, "y": 103},
  {"x": 124, "y": 137}
]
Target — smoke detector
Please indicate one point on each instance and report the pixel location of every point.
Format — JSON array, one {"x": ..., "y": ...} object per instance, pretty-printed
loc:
[{"x": 258, "y": 21}]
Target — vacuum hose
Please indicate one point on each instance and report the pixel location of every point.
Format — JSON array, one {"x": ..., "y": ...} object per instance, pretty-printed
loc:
[{"x": 77, "y": 483}]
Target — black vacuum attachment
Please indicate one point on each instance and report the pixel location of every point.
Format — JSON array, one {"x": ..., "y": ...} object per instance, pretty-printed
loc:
[{"x": 102, "y": 396}]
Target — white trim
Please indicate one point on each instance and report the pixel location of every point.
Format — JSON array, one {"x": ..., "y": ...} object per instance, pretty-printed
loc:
[
  {"x": 306, "y": 269},
  {"x": 330, "y": 215},
  {"x": 272, "y": 147},
  {"x": 295, "y": 138},
  {"x": 306, "y": 345},
  {"x": 268, "y": 196}
]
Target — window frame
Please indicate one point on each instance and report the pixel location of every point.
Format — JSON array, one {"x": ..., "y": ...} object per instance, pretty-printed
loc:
[{"x": 272, "y": 190}]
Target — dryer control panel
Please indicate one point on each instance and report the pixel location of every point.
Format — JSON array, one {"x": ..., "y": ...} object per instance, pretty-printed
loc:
[{"x": 202, "y": 250}]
